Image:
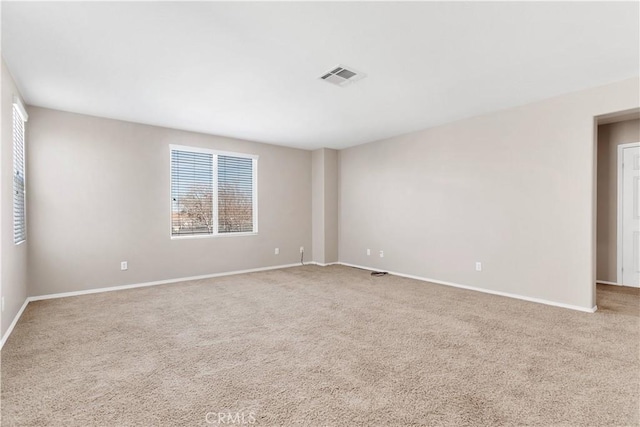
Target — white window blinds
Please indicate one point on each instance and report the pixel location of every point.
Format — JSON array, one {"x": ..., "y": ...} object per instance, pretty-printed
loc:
[
  {"x": 212, "y": 193},
  {"x": 191, "y": 193},
  {"x": 235, "y": 194},
  {"x": 19, "y": 181}
]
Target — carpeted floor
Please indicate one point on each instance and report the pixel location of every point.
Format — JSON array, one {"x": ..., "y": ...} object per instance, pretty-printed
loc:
[{"x": 321, "y": 346}]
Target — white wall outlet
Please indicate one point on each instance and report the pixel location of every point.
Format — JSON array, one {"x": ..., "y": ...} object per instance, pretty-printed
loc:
[
  {"x": 124, "y": 265},
  {"x": 2, "y": 303},
  {"x": 478, "y": 266},
  {"x": 381, "y": 254},
  {"x": 277, "y": 251},
  {"x": 368, "y": 252},
  {"x": 301, "y": 249}
]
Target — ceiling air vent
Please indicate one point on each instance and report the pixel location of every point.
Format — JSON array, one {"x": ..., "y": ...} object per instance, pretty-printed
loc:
[{"x": 342, "y": 76}]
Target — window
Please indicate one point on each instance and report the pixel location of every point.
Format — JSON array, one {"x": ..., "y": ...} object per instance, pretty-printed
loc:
[
  {"x": 19, "y": 182},
  {"x": 212, "y": 193}
]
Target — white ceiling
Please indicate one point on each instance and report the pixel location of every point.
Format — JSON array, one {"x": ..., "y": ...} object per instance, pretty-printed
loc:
[{"x": 250, "y": 70}]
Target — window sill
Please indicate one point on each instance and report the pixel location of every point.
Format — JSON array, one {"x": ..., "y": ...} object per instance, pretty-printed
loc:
[{"x": 209, "y": 236}]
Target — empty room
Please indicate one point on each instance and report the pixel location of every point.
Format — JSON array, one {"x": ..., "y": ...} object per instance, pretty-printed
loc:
[{"x": 320, "y": 213}]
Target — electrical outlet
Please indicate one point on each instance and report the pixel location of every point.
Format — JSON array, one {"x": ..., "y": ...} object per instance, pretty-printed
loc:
[
  {"x": 124, "y": 266},
  {"x": 381, "y": 254},
  {"x": 277, "y": 251},
  {"x": 301, "y": 249},
  {"x": 478, "y": 266},
  {"x": 368, "y": 252}
]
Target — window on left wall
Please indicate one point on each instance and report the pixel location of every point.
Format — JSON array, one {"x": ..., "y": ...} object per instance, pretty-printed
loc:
[{"x": 19, "y": 179}]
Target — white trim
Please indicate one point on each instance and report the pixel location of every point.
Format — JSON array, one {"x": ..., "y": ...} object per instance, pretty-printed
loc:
[
  {"x": 604, "y": 282},
  {"x": 214, "y": 199},
  {"x": 275, "y": 267},
  {"x": 486, "y": 291},
  {"x": 13, "y": 324},
  {"x": 214, "y": 196},
  {"x": 619, "y": 218},
  {"x": 208, "y": 236},
  {"x": 254, "y": 201},
  {"x": 133, "y": 286},
  {"x": 321, "y": 264},
  {"x": 158, "y": 282},
  {"x": 211, "y": 151},
  {"x": 20, "y": 106}
]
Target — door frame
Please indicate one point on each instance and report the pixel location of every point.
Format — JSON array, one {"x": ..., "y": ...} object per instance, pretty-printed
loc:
[{"x": 621, "y": 148}]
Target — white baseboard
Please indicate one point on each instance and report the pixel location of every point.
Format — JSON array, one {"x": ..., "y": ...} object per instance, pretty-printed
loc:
[
  {"x": 322, "y": 264},
  {"x": 276, "y": 267},
  {"x": 13, "y": 323},
  {"x": 158, "y": 282},
  {"x": 486, "y": 291},
  {"x": 602, "y": 282},
  {"x": 132, "y": 286}
]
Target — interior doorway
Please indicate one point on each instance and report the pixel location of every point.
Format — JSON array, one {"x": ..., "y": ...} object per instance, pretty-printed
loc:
[
  {"x": 629, "y": 214},
  {"x": 618, "y": 200}
]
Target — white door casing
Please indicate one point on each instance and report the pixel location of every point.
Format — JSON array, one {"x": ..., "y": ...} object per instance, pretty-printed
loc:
[{"x": 629, "y": 214}]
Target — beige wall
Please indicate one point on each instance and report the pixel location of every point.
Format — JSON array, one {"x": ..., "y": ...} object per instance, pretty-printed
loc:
[
  {"x": 99, "y": 195},
  {"x": 317, "y": 197},
  {"x": 13, "y": 275},
  {"x": 609, "y": 137},
  {"x": 325, "y": 205},
  {"x": 511, "y": 189},
  {"x": 331, "y": 206}
]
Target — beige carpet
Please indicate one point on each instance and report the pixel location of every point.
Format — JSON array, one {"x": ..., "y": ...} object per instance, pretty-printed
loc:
[{"x": 321, "y": 346}]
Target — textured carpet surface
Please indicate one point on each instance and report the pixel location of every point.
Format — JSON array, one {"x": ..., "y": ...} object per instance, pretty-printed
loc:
[{"x": 321, "y": 346}]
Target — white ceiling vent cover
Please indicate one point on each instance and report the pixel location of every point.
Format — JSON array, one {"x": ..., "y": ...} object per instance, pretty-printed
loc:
[{"x": 342, "y": 76}]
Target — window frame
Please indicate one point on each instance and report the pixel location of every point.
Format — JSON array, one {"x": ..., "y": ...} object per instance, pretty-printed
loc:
[
  {"x": 214, "y": 198},
  {"x": 18, "y": 108}
]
